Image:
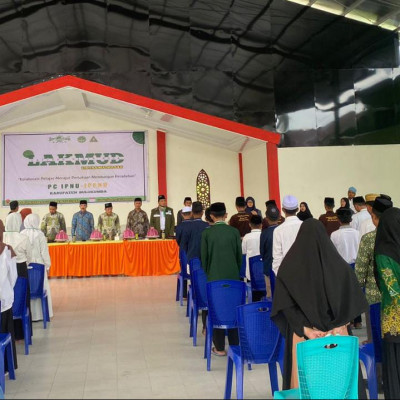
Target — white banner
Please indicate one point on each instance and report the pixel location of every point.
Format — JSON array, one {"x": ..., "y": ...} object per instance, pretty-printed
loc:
[{"x": 67, "y": 167}]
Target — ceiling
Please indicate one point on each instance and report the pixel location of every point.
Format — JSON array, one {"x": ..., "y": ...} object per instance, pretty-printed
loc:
[
  {"x": 383, "y": 13},
  {"x": 70, "y": 98}
]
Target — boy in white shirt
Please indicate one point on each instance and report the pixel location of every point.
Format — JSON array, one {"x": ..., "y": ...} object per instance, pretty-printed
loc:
[
  {"x": 346, "y": 239},
  {"x": 251, "y": 247}
]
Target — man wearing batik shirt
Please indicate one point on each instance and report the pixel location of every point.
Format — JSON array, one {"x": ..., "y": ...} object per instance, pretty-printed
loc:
[
  {"x": 52, "y": 223},
  {"x": 82, "y": 223},
  {"x": 108, "y": 223},
  {"x": 138, "y": 221}
]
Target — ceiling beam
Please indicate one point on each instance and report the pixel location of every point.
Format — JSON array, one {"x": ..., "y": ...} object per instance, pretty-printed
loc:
[
  {"x": 40, "y": 114},
  {"x": 387, "y": 16},
  {"x": 352, "y": 7}
]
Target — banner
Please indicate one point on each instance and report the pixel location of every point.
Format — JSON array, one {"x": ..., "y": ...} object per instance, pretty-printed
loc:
[{"x": 68, "y": 167}]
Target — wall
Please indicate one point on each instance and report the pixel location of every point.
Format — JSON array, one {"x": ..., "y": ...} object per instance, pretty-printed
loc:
[
  {"x": 312, "y": 173},
  {"x": 255, "y": 174},
  {"x": 185, "y": 158}
]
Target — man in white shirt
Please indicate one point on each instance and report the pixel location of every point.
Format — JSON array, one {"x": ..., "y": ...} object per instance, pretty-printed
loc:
[
  {"x": 346, "y": 239},
  {"x": 285, "y": 234},
  {"x": 350, "y": 195},
  {"x": 367, "y": 225},
  {"x": 362, "y": 212}
]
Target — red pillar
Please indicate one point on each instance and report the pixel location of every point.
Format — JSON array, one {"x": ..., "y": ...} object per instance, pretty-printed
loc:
[
  {"x": 273, "y": 173},
  {"x": 161, "y": 163},
  {"x": 241, "y": 174}
]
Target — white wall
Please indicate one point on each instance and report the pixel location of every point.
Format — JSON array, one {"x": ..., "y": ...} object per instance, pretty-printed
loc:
[
  {"x": 312, "y": 173},
  {"x": 185, "y": 158},
  {"x": 255, "y": 174}
]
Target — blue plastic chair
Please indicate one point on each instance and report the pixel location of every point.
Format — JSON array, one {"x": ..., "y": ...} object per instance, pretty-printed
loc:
[
  {"x": 223, "y": 297},
  {"x": 199, "y": 288},
  {"x": 21, "y": 311},
  {"x": 194, "y": 263},
  {"x": 6, "y": 348},
  {"x": 242, "y": 275},
  {"x": 259, "y": 344},
  {"x": 242, "y": 272},
  {"x": 272, "y": 279},
  {"x": 257, "y": 278},
  {"x": 327, "y": 369},
  {"x": 36, "y": 284},
  {"x": 371, "y": 353},
  {"x": 182, "y": 276}
]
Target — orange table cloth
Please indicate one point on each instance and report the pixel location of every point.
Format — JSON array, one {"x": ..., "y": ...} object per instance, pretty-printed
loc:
[{"x": 132, "y": 258}]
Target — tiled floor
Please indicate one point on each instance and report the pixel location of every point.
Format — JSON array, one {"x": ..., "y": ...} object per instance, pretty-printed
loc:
[{"x": 121, "y": 337}]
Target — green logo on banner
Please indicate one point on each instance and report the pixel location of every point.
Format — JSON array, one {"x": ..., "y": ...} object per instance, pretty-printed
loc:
[
  {"x": 28, "y": 154},
  {"x": 81, "y": 139},
  {"x": 59, "y": 139},
  {"x": 138, "y": 137}
]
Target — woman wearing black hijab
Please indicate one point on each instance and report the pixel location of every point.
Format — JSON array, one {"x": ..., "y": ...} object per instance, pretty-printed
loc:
[
  {"x": 387, "y": 257},
  {"x": 304, "y": 212},
  {"x": 316, "y": 292},
  {"x": 251, "y": 207},
  {"x": 345, "y": 203}
]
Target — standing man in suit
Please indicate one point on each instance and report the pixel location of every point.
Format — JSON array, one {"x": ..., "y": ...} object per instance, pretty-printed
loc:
[{"x": 162, "y": 217}]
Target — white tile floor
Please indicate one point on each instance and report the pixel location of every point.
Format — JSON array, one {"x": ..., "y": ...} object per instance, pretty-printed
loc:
[{"x": 121, "y": 338}]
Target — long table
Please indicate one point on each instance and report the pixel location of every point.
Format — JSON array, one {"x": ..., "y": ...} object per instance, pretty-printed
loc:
[{"x": 132, "y": 258}]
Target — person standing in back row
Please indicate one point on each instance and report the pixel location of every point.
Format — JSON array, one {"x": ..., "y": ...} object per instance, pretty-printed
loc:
[
  {"x": 285, "y": 234},
  {"x": 362, "y": 212},
  {"x": 241, "y": 220},
  {"x": 329, "y": 219},
  {"x": 187, "y": 202}
]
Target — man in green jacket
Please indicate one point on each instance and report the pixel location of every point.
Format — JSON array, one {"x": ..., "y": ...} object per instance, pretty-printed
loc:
[
  {"x": 162, "y": 217},
  {"x": 221, "y": 258}
]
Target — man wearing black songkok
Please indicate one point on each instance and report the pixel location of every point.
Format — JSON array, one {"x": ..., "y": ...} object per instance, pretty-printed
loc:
[
  {"x": 221, "y": 258},
  {"x": 316, "y": 293},
  {"x": 329, "y": 219},
  {"x": 52, "y": 223}
]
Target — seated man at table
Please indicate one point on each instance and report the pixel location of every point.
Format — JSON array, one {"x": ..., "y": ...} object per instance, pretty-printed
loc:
[
  {"x": 82, "y": 223},
  {"x": 108, "y": 223},
  {"x": 138, "y": 221},
  {"x": 162, "y": 217},
  {"x": 52, "y": 223}
]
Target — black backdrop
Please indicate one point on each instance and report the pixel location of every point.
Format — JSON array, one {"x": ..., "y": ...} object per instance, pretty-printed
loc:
[{"x": 317, "y": 78}]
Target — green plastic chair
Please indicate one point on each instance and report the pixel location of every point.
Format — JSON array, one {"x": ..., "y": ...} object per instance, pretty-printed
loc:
[{"x": 327, "y": 369}]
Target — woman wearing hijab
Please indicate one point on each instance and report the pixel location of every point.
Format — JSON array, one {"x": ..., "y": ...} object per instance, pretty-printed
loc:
[
  {"x": 40, "y": 255},
  {"x": 304, "y": 212},
  {"x": 8, "y": 277},
  {"x": 251, "y": 207},
  {"x": 23, "y": 251},
  {"x": 345, "y": 203},
  {"x": 316, "y": 293},
  {"x": 387, "y": 257}
]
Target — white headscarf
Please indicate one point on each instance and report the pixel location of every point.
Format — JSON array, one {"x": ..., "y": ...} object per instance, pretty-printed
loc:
[
  {"x": 31, "y": 223},
  {"x": 11, "y": 235}
]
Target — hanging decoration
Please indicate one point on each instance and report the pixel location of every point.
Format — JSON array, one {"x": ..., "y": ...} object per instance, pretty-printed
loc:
[{"x": 203, "y": 188}]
